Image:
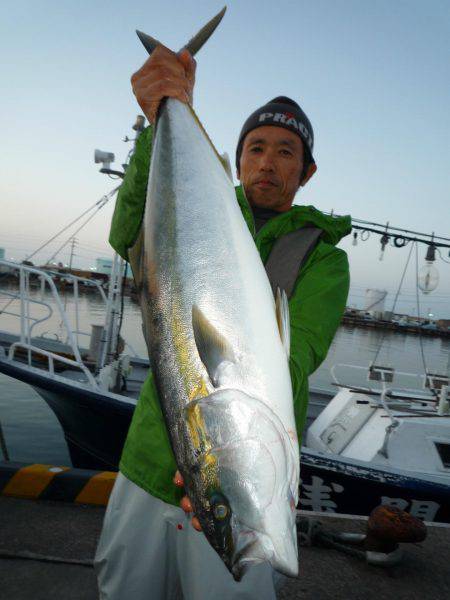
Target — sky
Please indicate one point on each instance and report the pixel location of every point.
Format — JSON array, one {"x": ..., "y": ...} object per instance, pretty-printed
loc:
[{"x": 373, "y": 77}]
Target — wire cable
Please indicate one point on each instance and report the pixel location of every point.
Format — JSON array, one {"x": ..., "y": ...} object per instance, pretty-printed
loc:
[
  {"x": 100, "y": 202},
  {"x": 441, "y": 257},
  {"x": 407, "y": 238},
  {"x": 75, "y": 233},
  {"x": 387, "y": 228}
]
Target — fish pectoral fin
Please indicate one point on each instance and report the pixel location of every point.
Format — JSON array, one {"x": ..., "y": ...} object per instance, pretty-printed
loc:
[
  {"x": 213, "y": 348},
  {"x": 282, "y": 312}
]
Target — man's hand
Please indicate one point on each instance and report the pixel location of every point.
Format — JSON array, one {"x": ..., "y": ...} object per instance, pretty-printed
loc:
[
  {"x": 164, "y": 74},
  {"x": 185, "y": 502}
]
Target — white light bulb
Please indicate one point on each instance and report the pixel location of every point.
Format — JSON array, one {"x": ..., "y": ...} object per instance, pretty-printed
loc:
[
  {"x": 384, "y": 241},
  {"x": 428, "y": 278}
]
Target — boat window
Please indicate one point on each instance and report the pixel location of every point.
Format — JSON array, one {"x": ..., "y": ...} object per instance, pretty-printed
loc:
[{"x": 444, "y": 453}]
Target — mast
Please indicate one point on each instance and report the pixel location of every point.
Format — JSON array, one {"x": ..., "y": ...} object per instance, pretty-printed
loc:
[{"x": 110, "y": 335}]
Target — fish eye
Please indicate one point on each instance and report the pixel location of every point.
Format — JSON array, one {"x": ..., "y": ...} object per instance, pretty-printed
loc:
[{"x": 220, "y": 512}]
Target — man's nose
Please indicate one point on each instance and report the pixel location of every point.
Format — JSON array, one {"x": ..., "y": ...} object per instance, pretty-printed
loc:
[{"x": 266, "y": 162}]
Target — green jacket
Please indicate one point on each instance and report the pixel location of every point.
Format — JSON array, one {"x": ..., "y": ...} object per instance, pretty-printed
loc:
[{"x": 316, "y": 307}]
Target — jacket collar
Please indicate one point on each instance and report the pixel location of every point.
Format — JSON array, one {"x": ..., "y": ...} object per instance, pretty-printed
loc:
[{"x": 334, "y": 228}]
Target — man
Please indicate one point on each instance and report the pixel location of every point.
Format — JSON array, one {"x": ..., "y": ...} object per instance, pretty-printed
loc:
[{"x": 148, "y": 548}]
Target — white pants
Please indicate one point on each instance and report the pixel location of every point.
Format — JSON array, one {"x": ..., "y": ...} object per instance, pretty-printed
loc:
[{"x": 148, "y": 550}]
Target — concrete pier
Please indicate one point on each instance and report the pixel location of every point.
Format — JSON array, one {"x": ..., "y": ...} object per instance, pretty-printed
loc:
[{"x": 70, "y": 531}]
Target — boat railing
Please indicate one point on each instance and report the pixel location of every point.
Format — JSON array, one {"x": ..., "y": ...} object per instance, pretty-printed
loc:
[
  {"x": 423, "y": 402},
  {"x": 385, "y": 378},
  {"x": 52, "y": 358},
  {"x": 132, "y": 350},
  {"x": 33, "y": 320},
  {"x": 28, "y": 322}
]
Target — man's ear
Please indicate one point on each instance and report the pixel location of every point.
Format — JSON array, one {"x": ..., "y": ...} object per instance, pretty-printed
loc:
[{"x": 309, "y": 173}]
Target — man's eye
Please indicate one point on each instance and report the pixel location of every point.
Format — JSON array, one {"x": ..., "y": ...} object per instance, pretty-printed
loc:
[
  {"x": 256, "y": 149},
  {"x": 286, "y": 152}
]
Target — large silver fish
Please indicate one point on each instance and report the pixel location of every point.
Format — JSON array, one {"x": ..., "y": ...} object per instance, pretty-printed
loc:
[{"x": 218, "y": 344}]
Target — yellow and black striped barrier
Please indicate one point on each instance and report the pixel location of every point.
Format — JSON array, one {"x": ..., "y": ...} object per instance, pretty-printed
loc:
[{"x": 48, "y": 482}]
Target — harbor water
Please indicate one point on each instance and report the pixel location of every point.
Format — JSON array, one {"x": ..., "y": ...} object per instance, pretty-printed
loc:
[{"x": 33, "y": 434}]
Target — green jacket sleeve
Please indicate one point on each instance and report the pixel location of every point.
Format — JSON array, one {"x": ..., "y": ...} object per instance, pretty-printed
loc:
[
  {"x": 316, "y": 309},
  {"x": 130, "y": 204}
]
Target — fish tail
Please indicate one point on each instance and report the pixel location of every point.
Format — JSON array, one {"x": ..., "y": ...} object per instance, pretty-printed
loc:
[{"x": 194, "y": 44}]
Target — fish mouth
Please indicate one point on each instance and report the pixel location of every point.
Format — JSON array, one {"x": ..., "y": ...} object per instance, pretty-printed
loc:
[
  {"x": 252, "y": 547},
  {"x": 261, "y": 549},
  {"x": 240, "y": 568},
  {"x": 241, "y": 562}
]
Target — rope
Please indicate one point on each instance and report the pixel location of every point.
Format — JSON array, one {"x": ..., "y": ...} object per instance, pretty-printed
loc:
[
  {"x": 25, "y": 555},
  {"x": 395, "y": 303},
  {"x": 422, "y": 353},
  {"x": 111, "y": 466}
]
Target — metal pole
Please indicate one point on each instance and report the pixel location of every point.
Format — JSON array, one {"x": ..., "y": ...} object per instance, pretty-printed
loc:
[
  {"x": 3, "y": 444},
  {"x": 72, "y": 247},
  {"x": 28, "y": 314},
  {"x": 77, "y": 320},
  {"x": 448, "y": 365},
  {"x": 116, "y": 307},
  {"x": 106, "y": 337},
  {"x": 22, "y": 304},
  {"x": 443, "y": 406}
]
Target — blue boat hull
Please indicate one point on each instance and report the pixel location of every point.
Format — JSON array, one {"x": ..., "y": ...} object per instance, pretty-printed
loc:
[{"x": 95, "y": 429}]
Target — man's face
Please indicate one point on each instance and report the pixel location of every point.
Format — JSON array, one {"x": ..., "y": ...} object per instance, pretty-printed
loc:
[{"x": 270, "y": 167}]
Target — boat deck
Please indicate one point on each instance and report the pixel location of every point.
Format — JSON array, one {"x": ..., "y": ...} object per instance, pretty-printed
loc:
[
  {"x": 134, "y": 382},
  {"x": 71, "y": 531},
  {"x": 140, "y": 366}
]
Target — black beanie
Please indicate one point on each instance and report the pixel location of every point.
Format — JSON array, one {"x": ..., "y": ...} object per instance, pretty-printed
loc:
[{"x": 280, "y": 112}]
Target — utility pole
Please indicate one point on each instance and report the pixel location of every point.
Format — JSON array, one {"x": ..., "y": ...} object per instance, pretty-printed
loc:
[{"x": 72, "y": 253}]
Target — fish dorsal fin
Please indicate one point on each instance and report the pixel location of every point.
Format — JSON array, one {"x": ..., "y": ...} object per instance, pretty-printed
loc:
[
  {"x": 225, "y": 160},
  {"x": 282, "y": 312},
  {"x": 212, "y": 347}
]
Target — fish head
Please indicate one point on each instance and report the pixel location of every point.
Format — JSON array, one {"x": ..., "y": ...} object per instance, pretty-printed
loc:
[{"x": 249, "y": 516}]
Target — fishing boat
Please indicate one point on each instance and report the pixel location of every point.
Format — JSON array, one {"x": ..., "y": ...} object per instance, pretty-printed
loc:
[
  {"x": 402, "y": 428},
  {"x": 91, "y": 381}
]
